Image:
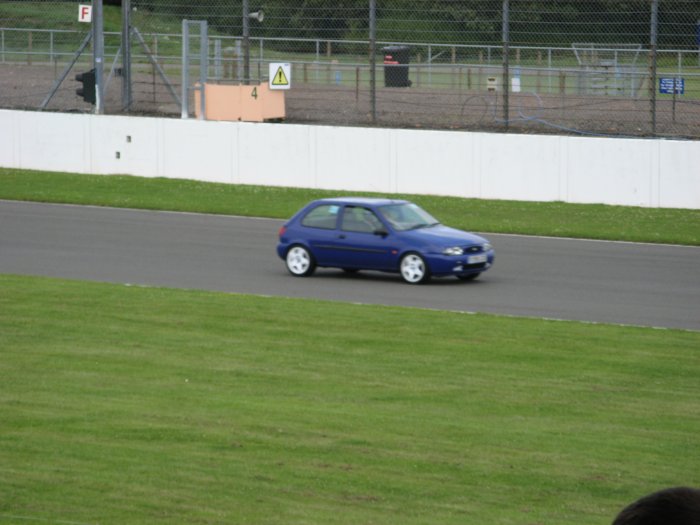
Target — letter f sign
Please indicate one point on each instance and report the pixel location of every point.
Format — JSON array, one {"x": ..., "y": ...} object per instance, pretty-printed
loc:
[{"x": 85, "y": 13}]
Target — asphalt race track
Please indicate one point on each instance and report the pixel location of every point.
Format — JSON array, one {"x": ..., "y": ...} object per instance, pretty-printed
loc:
[{"x": 609, "y": 282}]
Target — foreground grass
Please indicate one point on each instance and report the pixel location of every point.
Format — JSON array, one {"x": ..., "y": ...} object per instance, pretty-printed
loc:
[
  {"x": 592, "y": 221},
  {"x": 140, "y": 405}
]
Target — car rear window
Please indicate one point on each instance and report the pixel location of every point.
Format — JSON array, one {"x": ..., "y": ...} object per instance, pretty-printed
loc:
[{"x": 324, "y": 216}]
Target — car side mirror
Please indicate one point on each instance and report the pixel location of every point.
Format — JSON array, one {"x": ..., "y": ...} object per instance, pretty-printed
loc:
[{"x": 381, "y": 231}]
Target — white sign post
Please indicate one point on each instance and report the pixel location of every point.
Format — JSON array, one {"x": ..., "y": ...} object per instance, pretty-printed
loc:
[
  {"x": 85, "y": 13},
  {"x": 280, "y": 76}
]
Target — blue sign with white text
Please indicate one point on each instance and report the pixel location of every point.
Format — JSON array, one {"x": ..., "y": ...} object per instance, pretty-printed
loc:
[{"x": 669, "y": 86}]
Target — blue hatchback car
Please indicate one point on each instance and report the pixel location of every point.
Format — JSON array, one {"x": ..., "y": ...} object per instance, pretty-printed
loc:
[{"x": 380, "y": 234}]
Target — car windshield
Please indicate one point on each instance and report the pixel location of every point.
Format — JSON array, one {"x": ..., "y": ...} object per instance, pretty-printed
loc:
[{"x": 407, "y": 216}]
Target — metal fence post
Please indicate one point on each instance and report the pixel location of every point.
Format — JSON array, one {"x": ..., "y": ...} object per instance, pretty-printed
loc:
[
  {"x": 203, "y": 66},
  {"x": 246, "y": 43},
  {"x": 373, "y": 58},
  {"x": 99, "y": 51},
  {"x": 506, "y": 53},
  {"x": 185, "y": 105},
  {"x": 126, "y": 55},
  {"x": 217, "y": 59},
  {"x": 652, "y": 62}
]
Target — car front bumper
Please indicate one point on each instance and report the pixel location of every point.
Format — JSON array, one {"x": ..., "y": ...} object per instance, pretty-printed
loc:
[{"x": 466, "y": 264}]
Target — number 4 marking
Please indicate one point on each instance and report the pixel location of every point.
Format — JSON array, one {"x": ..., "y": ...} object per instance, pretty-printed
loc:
[{"x": 254, "y": 93}]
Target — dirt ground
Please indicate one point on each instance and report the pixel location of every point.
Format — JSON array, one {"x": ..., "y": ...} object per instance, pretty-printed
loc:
[{"x": 27, "y": 86}]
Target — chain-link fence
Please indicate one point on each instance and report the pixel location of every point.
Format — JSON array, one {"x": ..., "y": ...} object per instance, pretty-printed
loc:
[{"x": 603, "y": 67}]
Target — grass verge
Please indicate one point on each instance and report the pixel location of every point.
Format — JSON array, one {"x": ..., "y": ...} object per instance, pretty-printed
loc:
[
  {"x": 592, "y": 221},
  {"x": 145, "y": 405}
]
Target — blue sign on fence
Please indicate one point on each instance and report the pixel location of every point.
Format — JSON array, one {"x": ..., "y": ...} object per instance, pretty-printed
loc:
[{"x": 668, "y": 86}]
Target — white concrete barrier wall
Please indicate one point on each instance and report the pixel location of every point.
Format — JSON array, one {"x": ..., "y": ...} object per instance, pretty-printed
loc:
[{"x": 638, "y": 172}]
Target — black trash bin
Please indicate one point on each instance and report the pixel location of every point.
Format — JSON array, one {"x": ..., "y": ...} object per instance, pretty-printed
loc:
[{"x": 396, "y": 59}]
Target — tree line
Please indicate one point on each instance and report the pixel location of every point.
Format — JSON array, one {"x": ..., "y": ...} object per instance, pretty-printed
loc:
[{"x": 532, "y": 22}]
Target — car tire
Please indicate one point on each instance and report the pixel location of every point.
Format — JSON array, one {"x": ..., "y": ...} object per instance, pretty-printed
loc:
[
  {"x": 469, "y": 277},
  {"x": 299, "y": 261},
  {"x": 414, "y": 269}
]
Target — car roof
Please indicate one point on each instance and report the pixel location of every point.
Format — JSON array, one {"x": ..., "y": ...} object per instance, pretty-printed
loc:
[{"x": 361, "y": 201}]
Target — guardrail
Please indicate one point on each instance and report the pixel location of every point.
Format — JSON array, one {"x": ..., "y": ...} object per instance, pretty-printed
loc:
[{"x": 425, "y": 53}]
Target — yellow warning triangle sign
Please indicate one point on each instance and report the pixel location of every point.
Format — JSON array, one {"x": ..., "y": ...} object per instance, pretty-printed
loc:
[{"x": 280, "y": 79}]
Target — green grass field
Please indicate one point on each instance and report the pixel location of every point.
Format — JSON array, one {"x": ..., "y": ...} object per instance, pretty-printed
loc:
[
  {"x": 126, "y": 404},
  {"x": 142, "y": 405},
  {"x": 593, "y": 221}
]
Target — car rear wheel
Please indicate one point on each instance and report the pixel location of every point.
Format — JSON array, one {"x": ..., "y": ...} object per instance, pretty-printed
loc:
[
  {"x": 300, "y": 262},
  {"x": 469, "y": 277},
  {"x": 413, "y": 269}
]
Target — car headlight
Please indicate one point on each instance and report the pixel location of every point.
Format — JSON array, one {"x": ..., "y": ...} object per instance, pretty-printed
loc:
[
  {"x": 487, "y": 246},
  {"x": 453, "y": 250}
]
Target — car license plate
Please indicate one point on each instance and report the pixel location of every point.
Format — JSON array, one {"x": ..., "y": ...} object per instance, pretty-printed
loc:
[{"x": 476, "y": 259}]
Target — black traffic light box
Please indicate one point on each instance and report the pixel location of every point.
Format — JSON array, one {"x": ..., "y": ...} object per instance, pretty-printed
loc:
[{"x": 88, "y": 89}]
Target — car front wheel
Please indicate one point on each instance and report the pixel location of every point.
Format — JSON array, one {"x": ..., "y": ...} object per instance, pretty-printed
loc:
[
  {"x": 300, "y": 262},
  {"x": 413, "y": 269}
]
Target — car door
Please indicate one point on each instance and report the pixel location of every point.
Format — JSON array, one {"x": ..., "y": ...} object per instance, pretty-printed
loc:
[
  {"x": 319, "y": 232},
  {"x": 358, "y": 245}
]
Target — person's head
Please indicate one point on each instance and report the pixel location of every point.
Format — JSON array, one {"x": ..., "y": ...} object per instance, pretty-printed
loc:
[{"x": 673, "y": 506}]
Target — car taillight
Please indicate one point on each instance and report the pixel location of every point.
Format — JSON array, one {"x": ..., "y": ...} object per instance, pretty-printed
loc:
[{"x": 282, "y": 231}]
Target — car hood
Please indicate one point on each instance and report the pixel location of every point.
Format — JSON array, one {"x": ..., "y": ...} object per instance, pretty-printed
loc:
[{"x": 444, "y": 236}]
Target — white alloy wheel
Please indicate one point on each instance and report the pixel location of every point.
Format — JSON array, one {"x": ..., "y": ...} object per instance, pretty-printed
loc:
[
  {"x": 413, "y": 269},
  {"x": 299, "y": 261}
]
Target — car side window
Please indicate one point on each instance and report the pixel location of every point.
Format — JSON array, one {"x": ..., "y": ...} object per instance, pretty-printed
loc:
[
  {"x": 358, "y": 219},
  {"x": 324, "y": 216}
]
